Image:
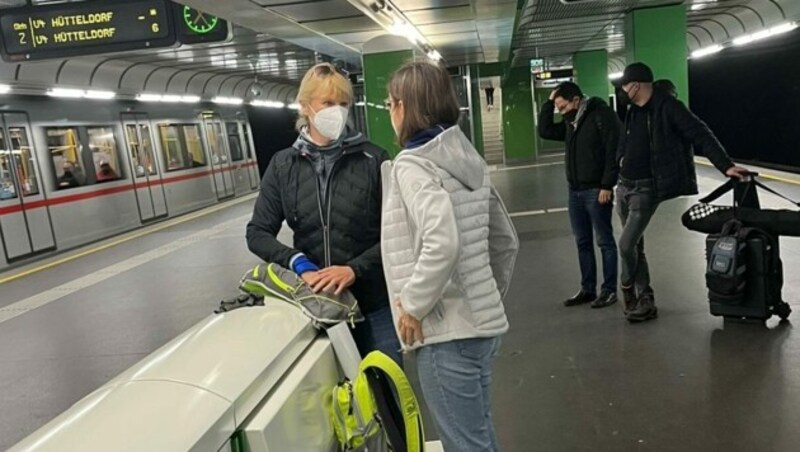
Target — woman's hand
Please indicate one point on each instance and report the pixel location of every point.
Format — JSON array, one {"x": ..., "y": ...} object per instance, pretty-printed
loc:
[
  {"x": 409, "y": 328},
  {"x": 335, "y": 279}
]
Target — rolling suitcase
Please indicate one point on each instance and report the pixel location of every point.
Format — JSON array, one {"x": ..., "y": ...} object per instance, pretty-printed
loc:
[{"x": 763, "y": 280}]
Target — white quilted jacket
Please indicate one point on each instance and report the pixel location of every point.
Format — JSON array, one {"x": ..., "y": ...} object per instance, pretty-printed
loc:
[{"x": 447, "y": 241}]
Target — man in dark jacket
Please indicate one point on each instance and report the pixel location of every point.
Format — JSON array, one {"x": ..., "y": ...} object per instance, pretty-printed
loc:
[
  {"x": 656, "y": 164},
  {"x": 591, "y": 131},
  {"x": 327, "y": 187}
]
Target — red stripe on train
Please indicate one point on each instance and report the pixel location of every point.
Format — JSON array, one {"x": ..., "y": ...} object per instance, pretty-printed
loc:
[{"x": 112, "y": 190}]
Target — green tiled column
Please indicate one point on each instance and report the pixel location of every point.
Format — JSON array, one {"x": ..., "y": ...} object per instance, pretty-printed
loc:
[
  {"x": 378, "y": 67},
  {"x": 657, "y": 37},
  {"x": 519, "y": 137},
  {"x": 591, "y": 73}
]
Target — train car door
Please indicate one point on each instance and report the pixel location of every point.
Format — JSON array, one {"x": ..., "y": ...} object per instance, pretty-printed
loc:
[
  {"x": 219, "y": 155},
  {"x": 250, "y": 156},
  {"x": 147, "y": 179},
  {"x": 25, "y": 225},
  {"x": 240, "y": 163}
]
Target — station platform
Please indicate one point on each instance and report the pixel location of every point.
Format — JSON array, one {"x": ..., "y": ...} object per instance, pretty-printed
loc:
[{"x": 567, "y": 379}]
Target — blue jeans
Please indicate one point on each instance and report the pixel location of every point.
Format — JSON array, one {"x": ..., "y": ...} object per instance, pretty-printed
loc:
[
  {"x": 589, "y": 217},
  {"x": 455, "y": 378},
  {"x": 377, "y": 332}
]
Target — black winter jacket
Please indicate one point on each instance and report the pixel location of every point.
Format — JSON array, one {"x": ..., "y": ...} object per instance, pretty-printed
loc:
[
  {"x": 591, "y": 147},
  {"x": 674, "y": 134},
  {"x": 344, "y": 229}
]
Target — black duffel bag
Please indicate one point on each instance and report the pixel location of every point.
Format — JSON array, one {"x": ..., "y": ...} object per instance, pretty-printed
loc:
[{"x": 710, "y": 219}]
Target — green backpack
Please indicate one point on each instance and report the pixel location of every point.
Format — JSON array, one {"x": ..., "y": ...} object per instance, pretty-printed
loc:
[{"x": 368, "y": 417}]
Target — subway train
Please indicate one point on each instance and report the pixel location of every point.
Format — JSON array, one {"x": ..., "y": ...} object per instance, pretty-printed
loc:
[{"x": 76, "y": 171}]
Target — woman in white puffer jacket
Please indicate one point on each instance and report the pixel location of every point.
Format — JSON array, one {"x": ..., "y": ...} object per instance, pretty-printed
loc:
[{"x": 448, "y": 249}]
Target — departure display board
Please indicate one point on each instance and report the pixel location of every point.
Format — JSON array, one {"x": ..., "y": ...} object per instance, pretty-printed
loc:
[{"x": 82, "y": 28}]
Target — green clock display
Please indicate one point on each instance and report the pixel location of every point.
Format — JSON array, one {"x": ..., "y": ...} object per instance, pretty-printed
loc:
[{"x": 198, "y": 21}]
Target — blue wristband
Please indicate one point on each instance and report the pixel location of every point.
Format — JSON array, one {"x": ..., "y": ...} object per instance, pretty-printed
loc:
[{"x": 302, "y": 264}]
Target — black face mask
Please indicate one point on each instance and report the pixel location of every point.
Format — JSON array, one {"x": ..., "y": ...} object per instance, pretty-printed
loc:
[
  {"x": 570, "y": 115},
  {"x": 622, "y": 98}
]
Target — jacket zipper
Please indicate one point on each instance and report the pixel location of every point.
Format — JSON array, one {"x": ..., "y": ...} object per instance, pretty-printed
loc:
[
  {"x": 323, "y": 217},
  {"x": 652, "y": 152}
]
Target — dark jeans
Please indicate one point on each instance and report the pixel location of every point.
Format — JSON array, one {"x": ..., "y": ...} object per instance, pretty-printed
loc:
[
  {"x": 489, "y": 96},
  {"x": 589, "y": 217},
  {"x": 637, "y": 204},
  {"x": 377, "y": 332}
]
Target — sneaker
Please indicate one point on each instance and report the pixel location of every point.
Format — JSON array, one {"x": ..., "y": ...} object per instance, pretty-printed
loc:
[
  {"x": 629, "y": 297},
  {"x": 646, "y": 310},
  {"x": 606, "y": 298},
  {"x": 325, "y": 308},
  {"x": 580, "y": 298}
]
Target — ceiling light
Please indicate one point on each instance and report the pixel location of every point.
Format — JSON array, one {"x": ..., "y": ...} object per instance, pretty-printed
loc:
[
  {"x": 776, "y": 30},
  {"x": 294, "y": 106},
  {"x": 95, "y": 94},
  {"x": 703, "y": 4},
  {"x": 228, "y": 100},
  {"x": 4, "y": 89},
  {"x": 615, "y": 75},
  {"x": 434, "y": 55},
  {"x": 78, "y": 93},
  {"x": 190, "y": 99},
  {"x": 267, "y": 104},
  {"x": 707, "y": 51},
  {"x": 65, "y": 92},
  {"x": 145, "y": 97}
]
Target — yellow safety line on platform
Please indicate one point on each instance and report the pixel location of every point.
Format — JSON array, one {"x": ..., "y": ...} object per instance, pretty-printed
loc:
[
  {"x": 165, "y": 225},
  {"x": 760, "y": 174}
]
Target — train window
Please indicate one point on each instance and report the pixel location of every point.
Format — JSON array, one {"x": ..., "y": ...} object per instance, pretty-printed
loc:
[
  {"x": 191, "y": 134},
  {"x": 247, "y": 147},
  {"x": 141, "y": 153},
  {"x": 173, "y": 153},
  {"x": 23, "y": 161},
  {"x": 234, "y": 142},
  {"x": 104, "y": 153},
  {"x": 216, "y": 143},
  {"x": 65, "y": 153},
  {"x": 7, "y": 188},
  {"x": 181, "y": 145}
]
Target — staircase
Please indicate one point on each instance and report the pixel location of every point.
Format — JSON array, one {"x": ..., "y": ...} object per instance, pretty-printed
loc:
[{"x": 492, "y": 128}]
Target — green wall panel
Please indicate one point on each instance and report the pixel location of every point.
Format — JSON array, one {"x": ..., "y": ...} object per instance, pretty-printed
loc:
[
  {"x": 518, "y": 123},
  {"x": 378, "y": 67},
  {"x": 657, "y": 37},
  {"x": 591, "y": 73}
]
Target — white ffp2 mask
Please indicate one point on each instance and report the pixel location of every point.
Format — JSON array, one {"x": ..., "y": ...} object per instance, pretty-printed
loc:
[{"x": 330, "y": 122}]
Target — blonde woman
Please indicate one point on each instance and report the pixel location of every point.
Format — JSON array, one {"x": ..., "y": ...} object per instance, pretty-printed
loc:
[
  {"x": 327, "y": 189},
  {"x": 448, "y": 250}
]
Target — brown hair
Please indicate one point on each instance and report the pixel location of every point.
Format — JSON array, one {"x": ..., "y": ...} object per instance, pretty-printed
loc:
[
  {"x": 427, "y": 95},
  {"x": 322, "y": 78}
]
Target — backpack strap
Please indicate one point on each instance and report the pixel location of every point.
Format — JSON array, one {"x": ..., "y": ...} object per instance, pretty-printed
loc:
[
  {"x": 732, "y": 227},
  {"x": 409, "y": 408},
  {"x": 761, "y": 185},
  {"x": 718, "y": 192}
]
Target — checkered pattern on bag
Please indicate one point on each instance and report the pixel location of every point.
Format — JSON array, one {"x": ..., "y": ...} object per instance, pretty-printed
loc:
[{"x": 700, "y": 211}]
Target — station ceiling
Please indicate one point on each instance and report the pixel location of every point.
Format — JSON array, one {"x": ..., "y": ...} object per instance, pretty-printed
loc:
[{"x": 275, "y": 41}]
